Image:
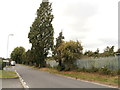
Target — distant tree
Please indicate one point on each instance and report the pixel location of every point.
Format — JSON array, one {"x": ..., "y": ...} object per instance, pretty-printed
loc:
[
  {"x": 89, "y": 53},
  {"x": 29, "y": 58},
  {"x": 118, "y": 51},
  {"x": 70, "y": 51},
  {"x": 26, "y": 56},
  {"x": 41, "y": 33},
  {"x": 59, "y": 40},
  {"x": 109, "y": 51},
  {"x": 57, "y": 54},
  {"x": 18, "y": 54},
  {"x": 96, "y": 53}
]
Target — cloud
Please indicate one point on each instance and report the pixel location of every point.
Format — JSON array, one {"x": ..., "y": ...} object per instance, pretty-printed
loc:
[
  {"x": 76, "y": 14},
  {"x": 93, "y": 22},
  {"x": 73, "y": 19},
  {"x": 109, "y": 41}
]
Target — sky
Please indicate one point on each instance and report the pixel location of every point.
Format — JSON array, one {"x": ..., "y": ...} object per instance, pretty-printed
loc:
[{"x": 93, "y": 22}]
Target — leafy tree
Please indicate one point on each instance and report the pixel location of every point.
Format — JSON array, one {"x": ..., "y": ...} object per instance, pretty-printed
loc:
[
  {"x": 92, "y": 54},
  {"x": 96, "y": 53},
  {"x": 70, "y": 51},
  {"x": 18, "y": 54},
  {"x": 118, "y": 51},
  {"x": 41, "y": 33},
  {"x": 57, "y": 54},
  {"x": 89, "y": 53},
  {"x": 29, "y": 60},
  {"x": 109, "y": 51},
  {"x": 59, "y": 40}
]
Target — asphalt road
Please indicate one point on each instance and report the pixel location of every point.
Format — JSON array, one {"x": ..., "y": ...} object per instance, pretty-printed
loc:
[{"x": 39, "y": 79}]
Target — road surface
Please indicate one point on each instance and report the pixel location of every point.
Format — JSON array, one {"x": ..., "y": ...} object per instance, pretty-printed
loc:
[{"x": 39, "y": 79}]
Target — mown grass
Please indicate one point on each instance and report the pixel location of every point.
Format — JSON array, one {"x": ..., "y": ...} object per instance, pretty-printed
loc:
[
  {"x": 7, "y": 74},
  {"x": 94, "y": 77}
]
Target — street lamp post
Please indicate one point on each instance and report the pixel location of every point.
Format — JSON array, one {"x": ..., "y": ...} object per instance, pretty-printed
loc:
[{"x": 8, "y": 43}]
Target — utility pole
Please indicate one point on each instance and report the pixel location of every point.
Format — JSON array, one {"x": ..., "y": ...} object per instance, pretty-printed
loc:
[{"x": 8, "y": 44}]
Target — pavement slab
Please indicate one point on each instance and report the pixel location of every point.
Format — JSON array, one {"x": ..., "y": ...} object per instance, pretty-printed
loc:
[{"x": 11, "y": 83}]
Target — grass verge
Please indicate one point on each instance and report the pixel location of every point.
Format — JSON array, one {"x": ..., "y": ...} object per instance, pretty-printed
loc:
[
  {"x": 7, "y": 74},
  {"x": 94, "y": 77}
]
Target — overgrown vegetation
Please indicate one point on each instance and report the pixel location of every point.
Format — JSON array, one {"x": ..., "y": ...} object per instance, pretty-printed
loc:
[
  {"x": 69, "y": 52},
  {"x": 103, "y": 71}
]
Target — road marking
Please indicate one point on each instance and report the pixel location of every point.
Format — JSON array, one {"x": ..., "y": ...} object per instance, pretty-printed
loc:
[{"x": 22, "y": 81}]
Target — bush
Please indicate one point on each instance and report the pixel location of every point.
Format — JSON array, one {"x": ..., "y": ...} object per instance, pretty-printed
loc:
[
  {"x": 68, "y": 53},
  {"x": 3, "y": 65},
  {"x": 67, "y": 69},
  {"x": 48, "y": 66},
  {"x": 105, "y": 70},
  {"x": 60, "y": 68},
  {"x": 94, "y": 69},
  {"x": 118, "y": 72},
  {"x": 82, "y": 69}
]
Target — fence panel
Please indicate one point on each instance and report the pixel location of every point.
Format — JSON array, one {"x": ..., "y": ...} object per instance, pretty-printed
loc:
[{"x": 111, "y": 62}]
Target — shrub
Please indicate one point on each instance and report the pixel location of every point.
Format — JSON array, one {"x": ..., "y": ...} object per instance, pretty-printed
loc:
[
  {"x": 69, "y": 52},
  {"x": 79, "y": 70},
  {"x": 48, "y": 65},
  {"x": 105, "y": 70},
  {"x": 94, "y": 69},
  {"x": 118, "y": 72},
  {"x": 3, "y": 65},
  {"x": 60, "y": 68}
]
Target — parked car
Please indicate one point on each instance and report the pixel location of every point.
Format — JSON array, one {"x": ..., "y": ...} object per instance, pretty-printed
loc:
[{"x": 13, "y": 63}]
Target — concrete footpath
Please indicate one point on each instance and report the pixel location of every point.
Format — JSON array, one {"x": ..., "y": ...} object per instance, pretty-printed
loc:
[{"x": 11, "y": 83}]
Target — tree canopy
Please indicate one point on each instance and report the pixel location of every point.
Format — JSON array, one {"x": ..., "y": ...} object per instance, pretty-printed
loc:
[
  {"x": 18, "y": 54},
  {"x": 70, "y": 51},
  {"x": 57, "y": 54},
  {"x": 109, "y": 51},
  {"x": 41, "y": 33}
]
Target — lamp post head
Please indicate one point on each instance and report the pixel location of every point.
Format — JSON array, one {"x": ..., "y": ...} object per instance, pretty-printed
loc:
[{"x": 45, "y": 0}]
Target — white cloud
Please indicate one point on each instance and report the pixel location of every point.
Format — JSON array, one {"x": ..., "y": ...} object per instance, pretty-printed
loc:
[{"x": 93, "y": 22}]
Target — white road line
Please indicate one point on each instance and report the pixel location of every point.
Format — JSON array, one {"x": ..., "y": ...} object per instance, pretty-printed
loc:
[{"x": 22, "y": 81}]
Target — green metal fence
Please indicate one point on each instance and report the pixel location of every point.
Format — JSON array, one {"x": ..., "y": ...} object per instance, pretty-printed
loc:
[{"x": 110, "y": 62}]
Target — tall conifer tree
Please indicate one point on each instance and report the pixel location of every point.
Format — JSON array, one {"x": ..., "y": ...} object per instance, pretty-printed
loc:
[{"x": 41, "y": 33}]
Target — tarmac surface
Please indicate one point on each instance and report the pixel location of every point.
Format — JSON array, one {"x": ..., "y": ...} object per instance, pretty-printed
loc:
[{"x": 39, "y": 79}]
